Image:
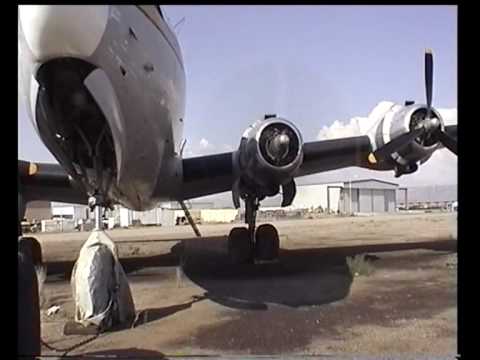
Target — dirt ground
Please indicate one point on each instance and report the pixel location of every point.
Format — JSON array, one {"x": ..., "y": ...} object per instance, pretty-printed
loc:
[{"x": 307, "y": 303}]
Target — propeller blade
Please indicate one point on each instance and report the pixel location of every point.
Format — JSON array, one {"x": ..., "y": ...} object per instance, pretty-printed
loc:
[
  {"x": 451, "y": 130},
  {"x": 429, "y": 78},
  {"x": 446, "y": 140},
  {"x": 397, "y": 144}
]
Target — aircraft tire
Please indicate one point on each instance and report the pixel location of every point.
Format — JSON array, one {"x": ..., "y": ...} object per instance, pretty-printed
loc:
[
  {"x": 240, "y": 247},
  {"x": 267, "y": 243},
  {"x": 28, "y": 315}
]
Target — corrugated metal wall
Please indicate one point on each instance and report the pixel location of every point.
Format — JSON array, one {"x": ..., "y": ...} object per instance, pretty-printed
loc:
[
  {"x": 365, "y": 204},
  {"x": 369, "y": 200}
]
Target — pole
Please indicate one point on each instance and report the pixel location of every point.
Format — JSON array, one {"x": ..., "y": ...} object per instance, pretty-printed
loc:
[
  {"x": 328, "y": 200},
  {"x": 406, "y": 199},
  {"x": 98, "y": 217},
  {"x": 351, "y": 197}
]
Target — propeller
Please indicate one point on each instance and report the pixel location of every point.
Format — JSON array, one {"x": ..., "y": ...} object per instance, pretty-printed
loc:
[
  {"x": 446, "y": 140},
  {"x": 429, "y": 126},
  {"x": 429, "y": 80}
]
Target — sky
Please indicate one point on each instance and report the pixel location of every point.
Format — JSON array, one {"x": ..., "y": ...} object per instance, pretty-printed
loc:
[{"x": 318, "y": 66}]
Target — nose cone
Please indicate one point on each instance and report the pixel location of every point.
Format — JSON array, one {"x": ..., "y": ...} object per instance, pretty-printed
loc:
[{"x": 52, "y": 31}]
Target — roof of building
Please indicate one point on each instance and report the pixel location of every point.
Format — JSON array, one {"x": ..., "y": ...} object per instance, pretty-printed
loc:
[
  {"x": 356, "y": 181},
  {"x": 372, "y": 179}
]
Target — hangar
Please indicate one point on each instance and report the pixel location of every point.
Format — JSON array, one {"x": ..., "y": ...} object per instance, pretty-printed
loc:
[
  {"x": 38, "y": 210},
  {"x": 368, "y": 196},
  {"x": 356, "y": 196}
]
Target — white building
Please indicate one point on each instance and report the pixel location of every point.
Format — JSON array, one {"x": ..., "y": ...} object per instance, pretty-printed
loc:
[
  {"x": 310, "y": 197},
  {"x": 356, "y": 196},
  {"x": 69, "y": 211}
]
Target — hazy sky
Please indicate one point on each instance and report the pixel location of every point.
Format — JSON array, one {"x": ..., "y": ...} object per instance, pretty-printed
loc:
[{"x": 311, "y": 64}]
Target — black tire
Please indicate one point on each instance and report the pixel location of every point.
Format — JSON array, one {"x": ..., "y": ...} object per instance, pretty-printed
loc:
[
  {"x": 28, "y": 315},
  {"x": 240, "y": 247},
  {"x": 34, "y": 247},
  {"x": 267, "y": 242}
]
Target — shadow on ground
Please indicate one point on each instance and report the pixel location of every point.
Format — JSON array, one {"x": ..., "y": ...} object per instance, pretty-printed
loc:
[
  {"x": 288, "y": 293},
  {"x": 302, "y": 277},
  {"x": 299, "y": 278},
  {"x": 305, "y": 279},
  {"x": 130, "y": 353},
  {"x": 149, "y": 315}
]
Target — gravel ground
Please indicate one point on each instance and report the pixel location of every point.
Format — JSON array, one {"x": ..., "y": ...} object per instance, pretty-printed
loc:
[{"x": 307, "y": 303}]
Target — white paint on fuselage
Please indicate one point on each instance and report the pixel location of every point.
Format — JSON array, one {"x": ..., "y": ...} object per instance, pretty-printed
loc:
[{"x": 53, "y": 31}]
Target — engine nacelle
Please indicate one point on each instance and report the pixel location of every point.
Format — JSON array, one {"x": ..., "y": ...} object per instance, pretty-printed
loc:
[
  {"x": 270, "y": 152},
  {"x": 401, "y": 119}
]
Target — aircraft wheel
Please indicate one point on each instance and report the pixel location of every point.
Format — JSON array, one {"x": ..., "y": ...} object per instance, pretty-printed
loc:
[
  {"x": 240, "y": 247},
  {"x": 35, "y": 249},
  {"x": 28, "y": 315},
  {"x": 267, "y": 242}
]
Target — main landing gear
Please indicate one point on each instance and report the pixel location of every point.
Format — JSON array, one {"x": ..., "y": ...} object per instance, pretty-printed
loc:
[
  {"x": 250, "y": 244},
  {"x": 28, "y": 316}
]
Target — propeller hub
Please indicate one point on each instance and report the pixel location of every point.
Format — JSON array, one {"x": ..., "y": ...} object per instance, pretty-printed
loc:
[{"x": 278, "y": 147}]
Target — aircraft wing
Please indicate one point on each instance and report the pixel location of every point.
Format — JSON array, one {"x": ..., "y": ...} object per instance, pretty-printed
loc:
[
  {"x": 43, "y": 181},
  {"x": 211, "y": 174},
  {"x": 203, "y": 175}
]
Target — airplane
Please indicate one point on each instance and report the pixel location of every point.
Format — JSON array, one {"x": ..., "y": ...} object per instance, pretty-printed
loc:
[{"x": 105, "y": 89}]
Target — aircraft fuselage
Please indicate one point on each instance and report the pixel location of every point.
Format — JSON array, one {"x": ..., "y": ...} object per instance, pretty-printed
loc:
[{"x": 105, "y": 89}]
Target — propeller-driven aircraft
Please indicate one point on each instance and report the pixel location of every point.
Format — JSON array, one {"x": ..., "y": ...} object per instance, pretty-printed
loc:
[{"x": 105, "y": 88}]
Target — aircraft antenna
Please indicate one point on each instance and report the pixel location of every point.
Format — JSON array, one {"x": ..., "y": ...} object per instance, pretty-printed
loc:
[{"x": 182, "y": 20}]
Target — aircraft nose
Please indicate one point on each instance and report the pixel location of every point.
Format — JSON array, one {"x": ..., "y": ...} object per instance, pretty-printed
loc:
[{"x": 52, "y": 31}]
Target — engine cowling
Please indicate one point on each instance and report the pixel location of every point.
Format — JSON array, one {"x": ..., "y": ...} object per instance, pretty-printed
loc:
[
  {"x": 270, "y": 152},
  {"x": 402, "y": 119}
]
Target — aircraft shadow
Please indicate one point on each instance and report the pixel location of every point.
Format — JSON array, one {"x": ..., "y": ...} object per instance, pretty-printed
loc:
[
  {"x": 150, "y": 315},
  {"x": 301, "y": 277},
  {"x": 129, "y": 353}
]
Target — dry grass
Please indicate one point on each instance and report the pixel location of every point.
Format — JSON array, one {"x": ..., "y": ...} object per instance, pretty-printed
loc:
[{"x": 359, "y": 266}]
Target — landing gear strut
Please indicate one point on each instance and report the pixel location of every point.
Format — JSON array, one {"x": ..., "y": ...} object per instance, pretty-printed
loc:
[
  {"x": 97, "y": 204},
  {"x": 247, "y": 244}
]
